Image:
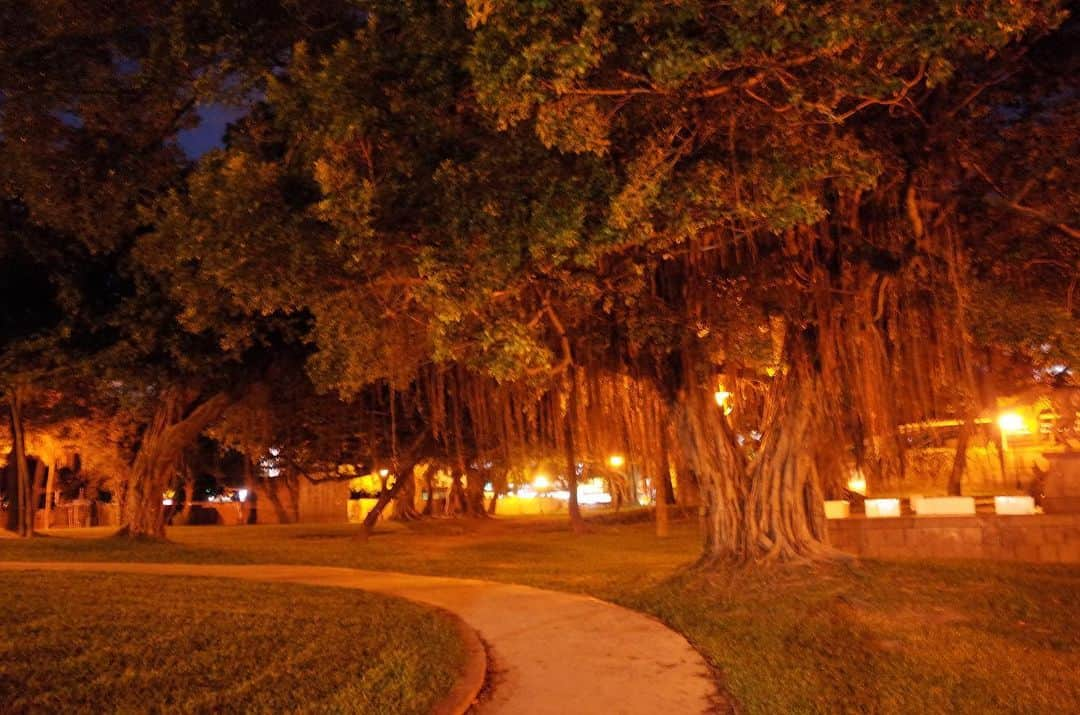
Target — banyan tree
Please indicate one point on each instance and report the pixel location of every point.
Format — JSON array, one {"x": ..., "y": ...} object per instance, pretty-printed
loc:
[
  {"x": 719, "y": 239},
  {"x": 794, "y": 163}
]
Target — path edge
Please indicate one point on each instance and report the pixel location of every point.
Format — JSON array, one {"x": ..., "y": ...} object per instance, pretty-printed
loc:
[{"x": 473, "y": 676}]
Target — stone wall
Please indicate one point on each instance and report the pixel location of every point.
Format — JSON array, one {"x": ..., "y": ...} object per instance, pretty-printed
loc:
[
  {"x": 1048, "y": 538},
  {"x": 325, "y": 501},
  {"x": 215, "y": 514},
  {"x": 1061, "y": 492}
]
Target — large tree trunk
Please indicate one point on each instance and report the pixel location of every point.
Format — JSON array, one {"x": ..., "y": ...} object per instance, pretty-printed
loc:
[
  {"x": 403, "y": 468},
  {"x": 271, "y": 486},
  {"x": 770, "y": 509},
  {"x": 711, "y": 451},
  {"x": 402, "y": 476},
  {"x": 500, "y": 483},
  {"x": 405, "y": 500},
  {"x": 474, "y": 493},
  {"x": 455, "y": 497},
  {"x": 20, "y": 507},
  {"x": 162, "y": 443},
  {"x": 784, "y": 517}
]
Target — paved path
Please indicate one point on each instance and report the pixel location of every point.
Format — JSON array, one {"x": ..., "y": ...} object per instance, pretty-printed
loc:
[{"x": 551, "y": 652}]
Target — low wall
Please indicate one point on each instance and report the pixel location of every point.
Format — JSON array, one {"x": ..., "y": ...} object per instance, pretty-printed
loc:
[
  {"x": 358, "y": 510},
  {"x": 1062, "y": 487},
  {"x": 517, "y": 506},
  {"x": 79, "y": 514},
  {"x": 216, "y": 514},
  {"x": 1047, "y": 538}
]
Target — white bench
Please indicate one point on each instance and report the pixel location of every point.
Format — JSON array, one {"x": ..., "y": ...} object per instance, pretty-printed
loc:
[
  {"x": 943, "y": 506},
  {"x": 882, "y": 508},
  {"x": 1014, "y": 505},
  {"x": 837, "y": 509}
]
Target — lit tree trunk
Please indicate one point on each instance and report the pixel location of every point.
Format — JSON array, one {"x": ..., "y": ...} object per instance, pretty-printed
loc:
[
  {"x": 956, "y": 477},
  {"x": 784, "y": 517},
  {"x": 271, "y": 489},
  {"x": 405, "y": 500},
  {"x": 162, "y": 443},
  {"x": 189, "y": 494},
  {"x": 38, "y": 485},
  {"x": 688, "y": 496},
  {"x": 499, "y": 485},
  {"x": 710, "y": 449},
  {"x": 455, "y": 497},
  {"x": 474, "y": 493},
  {"x": 403, "y": 474},
  {"x": 663, "y": 518},
  {"x": 662, "y": 486},
  {"x": 50, "y": 491},
  {"x": 401, "y": 477},
  {"x": 251, "y": 504},
  {"x": 570, "y": 423},
  {"x": 20, "y": 509}
]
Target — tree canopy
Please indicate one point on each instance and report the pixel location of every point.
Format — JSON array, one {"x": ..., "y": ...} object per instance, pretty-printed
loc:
[{"x": 528, "y": 230}]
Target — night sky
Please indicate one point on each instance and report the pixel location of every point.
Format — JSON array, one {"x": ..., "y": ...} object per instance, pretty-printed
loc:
[{"x": 210, "y": 133}]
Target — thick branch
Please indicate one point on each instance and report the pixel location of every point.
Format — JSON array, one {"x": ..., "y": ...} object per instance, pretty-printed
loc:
[{"x": 999, "y": 201}]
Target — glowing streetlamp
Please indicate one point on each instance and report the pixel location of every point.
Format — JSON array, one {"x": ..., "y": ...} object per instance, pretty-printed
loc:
[
  {"x": 1010, "y": 423},
  {"x": 723, "y": 399},
  {"x": 857, "y": 483},
  {"x": 616, "y": 461},
  {"x": 541, "y": 481},
  {"x": 384, "y": 473}
]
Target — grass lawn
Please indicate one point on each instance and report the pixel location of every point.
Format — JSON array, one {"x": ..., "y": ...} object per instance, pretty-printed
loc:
[
  {"x": 971, "y": 637},
  {"x": 87, "y": 643}
]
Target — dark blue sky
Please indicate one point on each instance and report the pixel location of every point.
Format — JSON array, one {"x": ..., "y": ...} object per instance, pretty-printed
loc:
[{"x": 210, "y": 132}]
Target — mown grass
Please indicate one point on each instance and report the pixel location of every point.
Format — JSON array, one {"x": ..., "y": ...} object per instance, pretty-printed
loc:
[
  {"x": 970, "y": 637},
  {"x": 93, "y": 643}
]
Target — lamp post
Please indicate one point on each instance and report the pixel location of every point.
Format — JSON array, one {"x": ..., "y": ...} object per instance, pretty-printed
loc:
[
  {"x": 616, "y": 462},
  {"x": 1010, "y": 423}
]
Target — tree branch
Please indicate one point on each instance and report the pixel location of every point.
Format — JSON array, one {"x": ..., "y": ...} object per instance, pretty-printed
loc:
[{"x": 999, "y": 201}]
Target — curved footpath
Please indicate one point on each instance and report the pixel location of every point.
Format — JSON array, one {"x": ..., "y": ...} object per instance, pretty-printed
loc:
[{"x": 551, "y": 652}]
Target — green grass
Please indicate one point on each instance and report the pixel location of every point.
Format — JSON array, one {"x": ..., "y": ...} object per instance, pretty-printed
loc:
[
  {"x": 970, "y": 637},
  {"x": 89, "y": 643}
]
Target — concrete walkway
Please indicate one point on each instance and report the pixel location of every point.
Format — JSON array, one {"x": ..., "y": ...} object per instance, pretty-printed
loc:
[{"x": 550, "y": 652}]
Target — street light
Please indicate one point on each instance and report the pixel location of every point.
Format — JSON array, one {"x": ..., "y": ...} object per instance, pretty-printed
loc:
[
  {"x": 723, "y": 399},
  {"x": 1010, "y": 423},
  {"x": 616, "y": 461},
  {"x": 857, "y": 483}
]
